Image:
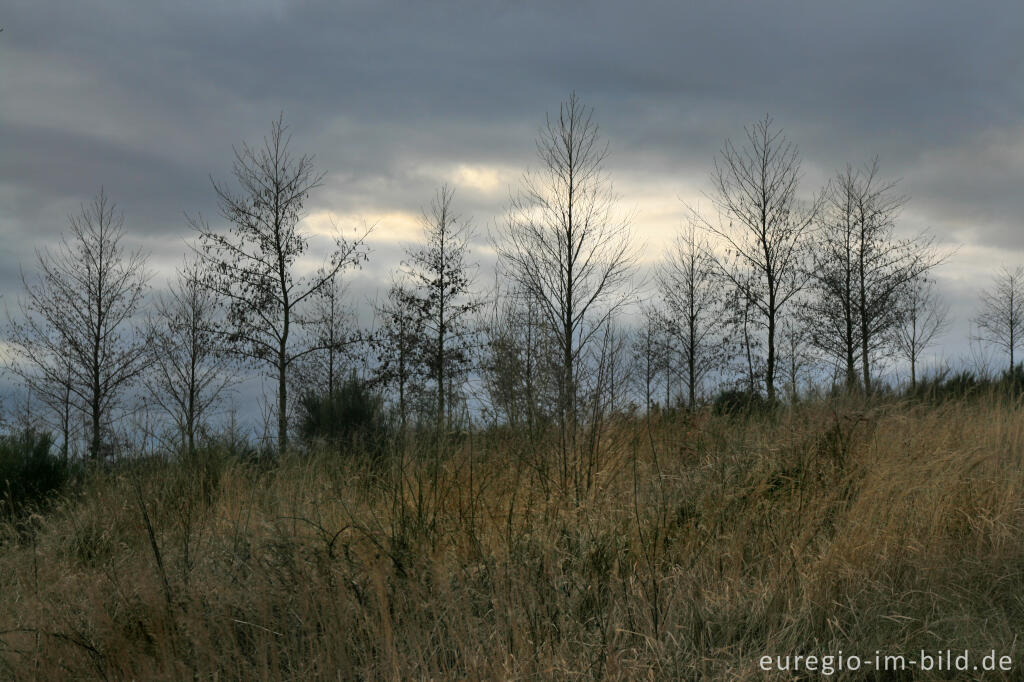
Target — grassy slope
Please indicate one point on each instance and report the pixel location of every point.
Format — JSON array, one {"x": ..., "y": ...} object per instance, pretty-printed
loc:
[{"x": 701, "y": 547}]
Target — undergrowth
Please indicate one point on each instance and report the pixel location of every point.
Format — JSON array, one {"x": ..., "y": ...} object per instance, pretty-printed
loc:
[{"x": 703, "y": 543}]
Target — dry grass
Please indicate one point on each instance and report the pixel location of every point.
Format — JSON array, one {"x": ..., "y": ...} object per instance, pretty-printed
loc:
[{"x": 700, "y": 547}]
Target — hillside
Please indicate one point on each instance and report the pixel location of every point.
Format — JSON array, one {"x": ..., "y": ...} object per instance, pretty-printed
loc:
[{"x": 700, "y": 545}]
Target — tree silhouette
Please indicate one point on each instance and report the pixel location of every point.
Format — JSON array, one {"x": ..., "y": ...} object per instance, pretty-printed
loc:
[
  {"x": 565, "y": 246},
  {"x": 76, "y": 344},
  {"x": 254, "y": 266},
  {"x": 764, "y": 227},
  {"x": 441, "y": 297}
]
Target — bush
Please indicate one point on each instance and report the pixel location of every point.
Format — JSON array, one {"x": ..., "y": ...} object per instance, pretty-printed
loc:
[
  {"x": 352, "y": 417},
  {"x": 1012, "y": 381},
  {"x": 736, "y": 402},
  {"x": 29, "y": 471},
  {"x": 965, "y": 384}
]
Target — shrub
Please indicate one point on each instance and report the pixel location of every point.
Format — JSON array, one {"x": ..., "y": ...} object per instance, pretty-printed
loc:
[
  {"x": 29, "y": 471},
  {"x": 1012, "y": 381},
  {"x": 352, "y": 417},
  {"x": 965, "y": 384},
  {"x": 739, "y": 402}
]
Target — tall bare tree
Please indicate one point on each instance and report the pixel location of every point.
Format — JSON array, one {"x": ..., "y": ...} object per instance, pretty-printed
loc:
[
  {"x": 649, "y": 349},
  {"x": 190, "y": 368},
  {"x": 51, "y": 388},
  {"x": 831, "y": 313},
  {"x": 741, "y": 319},
  {"x": 605, "y": 397},
  {"x": 764, "y": 227},
  {"x": 1000, "y": 321},
  {"x": 332, "y": 323},
  {"x": 924, "y": 319},
  {"x": 861, "y": 270},
  {"x": 567, "y": 248},
  {"x": 75, "y": 342},
  {"x": 796, "y": 354},
  {"x": 255, "y": 265},
  {"x": 398, "y": 341},
  {"x": 695, "y": 308},
  {"x": 441, "y": 297},
  {"x": 515, "y": 362}
]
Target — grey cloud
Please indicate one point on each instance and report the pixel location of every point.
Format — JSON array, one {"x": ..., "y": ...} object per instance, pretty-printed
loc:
[{"x": 147, "y": 99}]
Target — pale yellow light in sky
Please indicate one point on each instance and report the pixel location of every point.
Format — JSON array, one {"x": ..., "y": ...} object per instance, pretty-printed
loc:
[
  {"x": 389, "y": 226},
  {"x": 484, "y": 179},
  {"x": 660, "y": 207}
]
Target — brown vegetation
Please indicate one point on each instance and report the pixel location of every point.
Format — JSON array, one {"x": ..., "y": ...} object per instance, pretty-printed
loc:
[{"x": 705, "y": 543}]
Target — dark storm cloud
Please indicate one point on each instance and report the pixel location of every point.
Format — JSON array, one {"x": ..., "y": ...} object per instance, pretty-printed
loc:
[
  {"x": 37, "y": 161},
  {"x": 147, "y": 99},
  {"x": 373, "y": 85}
]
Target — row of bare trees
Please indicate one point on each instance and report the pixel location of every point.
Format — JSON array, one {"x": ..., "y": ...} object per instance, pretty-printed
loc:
[
  {"x": 79, "y": 340},
  {"x": 772, "y": 275},
  {"x": 773, "y": 281}
]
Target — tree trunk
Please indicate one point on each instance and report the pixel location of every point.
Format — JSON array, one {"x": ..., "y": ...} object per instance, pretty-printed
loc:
[
  {"x": 913, "y": 347},
  {"x": 96, "y": 412},
  {"x": 851, "y": 362},
  {"x": 1013, "y": 326},
  {"x": 282, "y": 403},
  {"x": 746, "y": 345},
  {"x": 862, "y": 305},
  {"x": 691, "y": 351},
  {"x": 401, "y": 392},
  {"x": 668, "y": 378},
  {"x": 94, "y": 448},
  {"x": 567, "y": 404},
  {"x": 691, "y": 370},
  {"x": 65, "y": 419},
  {"x": 769, "y": 376},
  {"x": 330, "y": 368},
  {"x": 864, "y": 361},
  {"x": 851, "y": 369},
  {"x": 190, "y": 425}
]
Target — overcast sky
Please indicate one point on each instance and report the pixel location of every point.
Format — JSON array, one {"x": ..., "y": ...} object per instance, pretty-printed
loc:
[{"x": 394, "y": 98}]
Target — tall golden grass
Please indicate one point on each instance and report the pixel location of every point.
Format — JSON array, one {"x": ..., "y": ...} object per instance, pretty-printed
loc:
[{"x": 702, "y": 545}]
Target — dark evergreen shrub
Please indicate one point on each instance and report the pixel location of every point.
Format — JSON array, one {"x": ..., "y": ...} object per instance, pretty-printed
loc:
[
  {"x": 739, "y": 402},
  {"x": 29, "y": 471},
  {"x": 351, "y": 419}
]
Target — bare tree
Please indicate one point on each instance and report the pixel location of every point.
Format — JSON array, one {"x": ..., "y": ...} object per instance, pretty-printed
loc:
[
  {"x": 649, "y": 349},
  {"x": 605, "y": 397},
  {"x": 332, "y": 324},
  {"x": 190, "y": 369},
  {"x": 53, "y": 389},
  {"x": 1000, "y": 322},
  {"x": 75, "y": 343},
  {"x": 397, "y": 341},
  {"x": 831, "y": 313},
  {"x": 515, "y": 362},
  {"x": 254, "y": 267},
  {"x": 796, "y": 354},
  {"x": 923, "y": 320},
  {"x": 861, "y": 270},
  {"x": 765, "y": 227},
  {"x": 695, "y": 309},
  {"x": 566, "y": 247},
  {"x": 441, "y": 297},
  {"x": 740, "y": 317}
]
